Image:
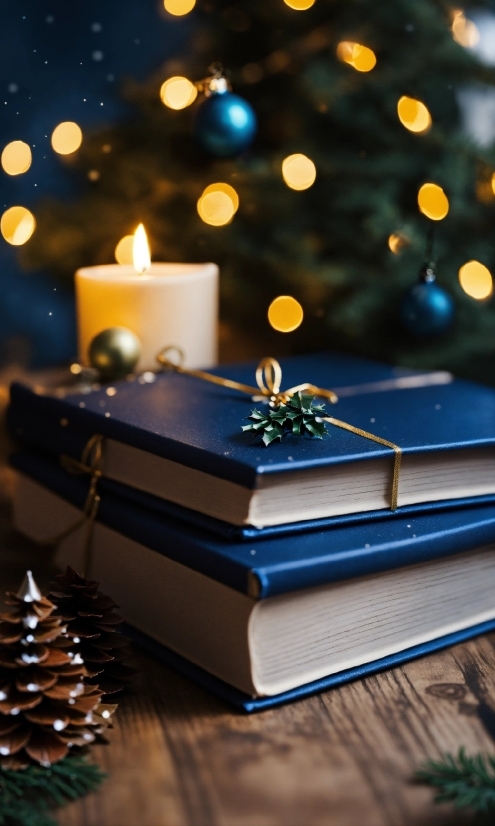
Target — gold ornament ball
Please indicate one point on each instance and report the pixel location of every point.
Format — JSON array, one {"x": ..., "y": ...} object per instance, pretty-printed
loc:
[{"x": 114, "y": 352}]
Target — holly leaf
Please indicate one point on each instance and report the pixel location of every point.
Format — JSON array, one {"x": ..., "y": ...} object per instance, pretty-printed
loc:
[{"x": 297, "y": 415}]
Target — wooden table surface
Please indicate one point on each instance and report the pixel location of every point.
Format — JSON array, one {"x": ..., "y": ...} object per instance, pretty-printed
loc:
[{"x": 180, "y": 757}]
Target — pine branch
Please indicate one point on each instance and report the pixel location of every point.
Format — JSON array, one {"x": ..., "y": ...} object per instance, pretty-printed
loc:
[
  {"x": 297, "y": 416},
  {"x": 27, "y": 795},
  {"x": 466, "y": 781}
]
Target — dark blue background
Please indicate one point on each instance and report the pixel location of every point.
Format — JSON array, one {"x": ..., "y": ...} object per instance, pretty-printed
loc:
[{"x": 49, "y": 74}]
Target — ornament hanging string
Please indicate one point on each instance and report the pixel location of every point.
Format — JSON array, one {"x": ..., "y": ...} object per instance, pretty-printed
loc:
[
  {"x": 269, "y": 381},
  {"x": 90, "y": 463}
]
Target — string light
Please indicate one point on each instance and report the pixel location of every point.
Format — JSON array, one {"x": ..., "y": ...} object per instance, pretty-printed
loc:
[
  {"x": 464, "y": 31},
  {"x": 178, "y": 92},
  {"x": 16, "y": 158},
  {"x": 359, "y": 57},
  {"x": 299, "y": 172},
  {"x": 285, "y": 314},
  {"x": 476, "y": 280},
  {"x": 179, "y": 7},
  {"x": 123, "y": 250},
  {"x": 414, "y": 115},
  {"x": 299, "y": 5},
  {"x": 433, "y": 202},
  {"x": 17, "y": 225},
  {"x": 218, "y": 204},
  {"x": 66, "y": 137}
]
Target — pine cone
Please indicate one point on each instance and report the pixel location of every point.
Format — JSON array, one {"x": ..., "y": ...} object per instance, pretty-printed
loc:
[
  {"x": 95, "y": 627},
  {"x": 45, "y": 707}
]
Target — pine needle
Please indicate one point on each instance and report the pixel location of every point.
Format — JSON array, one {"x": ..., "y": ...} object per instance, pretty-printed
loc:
[
  {"x": 466, "y": 781},
  {"x": 28, "y": 795}
]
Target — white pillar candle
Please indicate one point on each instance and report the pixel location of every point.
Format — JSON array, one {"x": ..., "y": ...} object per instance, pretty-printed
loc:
[{"x": 170, "y": 304}]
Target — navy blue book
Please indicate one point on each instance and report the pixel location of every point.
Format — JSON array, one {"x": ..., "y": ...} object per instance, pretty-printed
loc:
[
  {"x": 176, "y": 443},
  {"x": 288, "y": 617}
]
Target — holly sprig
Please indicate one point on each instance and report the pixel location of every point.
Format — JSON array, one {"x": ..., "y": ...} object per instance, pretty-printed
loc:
[
  {"x": 298, "y": 415},
  {"x": 467, "y": 781}
]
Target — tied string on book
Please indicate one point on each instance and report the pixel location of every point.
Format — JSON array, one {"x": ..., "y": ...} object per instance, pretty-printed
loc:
[
  {"x": 269, "y": 382},
  {"x": 90, "y": 464}
]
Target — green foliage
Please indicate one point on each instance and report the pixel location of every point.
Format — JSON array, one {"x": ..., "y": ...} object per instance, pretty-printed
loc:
[
  {"x": 465, "y": 781},
  {"x": 297, "y": 416},
  {"x": 327, "y": 245},
  {"x": 27, "y": 795}
]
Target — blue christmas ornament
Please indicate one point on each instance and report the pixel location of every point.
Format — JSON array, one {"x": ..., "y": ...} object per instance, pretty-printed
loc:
[
  {"x": 225, "y": 123},
  {"x": 426, "y": 308}
]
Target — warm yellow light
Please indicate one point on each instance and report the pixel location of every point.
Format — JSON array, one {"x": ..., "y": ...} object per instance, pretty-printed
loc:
[
  {"x": 141, "y": 251},
  {"x": 66, "y": 137},
  {"x": 493, "y": 183},
  {"x": 396, "y": 242},
  {"x": 476, "y": 280},
  {"x": 218, "y": 204},
  {"x": 299, "y": 172},
  {"x": 178, "y": 92},
  {"x": 179, "y": 7},
  {"x": 124, "y": 250},
  {"x": 300, "y": 5},
  {"x": 227, "y": 190},
  {"x": 464, "y": 31},
  {"x": 285, "y": 314},
  {"x": 16, "y": 158},
  {"x": 414, "y": 115},
  {"x": 359, "y": 57},
  {"x": 17, "y": 225},
  {"x": 433, "y": 202}
]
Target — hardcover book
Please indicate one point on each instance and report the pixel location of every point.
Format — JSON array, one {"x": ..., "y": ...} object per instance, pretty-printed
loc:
[
  {"x": 290, "y": 616},
  {"x": 179, "y": 439}
]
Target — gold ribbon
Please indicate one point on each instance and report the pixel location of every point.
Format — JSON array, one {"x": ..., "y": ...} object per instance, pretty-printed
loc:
[
  {"x": 269, "y": 381},
  {"x": 90, "y": 463}
]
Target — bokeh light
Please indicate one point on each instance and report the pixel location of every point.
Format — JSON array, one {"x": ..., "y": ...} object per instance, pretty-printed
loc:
[
  {"x": 218, "y": 204},
  {"x": 397, "y": 242},
  {"x": 433, "y": 202},
  {"x": 17, "y": 225},
  {"x": 464, "y": 31},
  {"x": 179, "y": 7},
  {"x": 178, "y": 92},
  {"x": 299, "y": 172},
  {"x": 66, "y": 137},
  {"x": 285, "y": 314},
  {"x": 359, "y": 57},
  {"x": 16, "y": 158},
  {"x": 300, "y": 5},
  {"x": 414, "y": 115},
  {"x": 476, "y": 280},
  {"x": 227, "y": 189},
  {"x": 123, "y": 250}
]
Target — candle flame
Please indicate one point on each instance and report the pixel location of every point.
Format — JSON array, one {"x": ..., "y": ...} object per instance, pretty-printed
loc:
[{"x": 141, "y": 251}]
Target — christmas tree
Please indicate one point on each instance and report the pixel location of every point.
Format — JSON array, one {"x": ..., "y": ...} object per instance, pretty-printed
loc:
[{"x": 367, "y": 92}]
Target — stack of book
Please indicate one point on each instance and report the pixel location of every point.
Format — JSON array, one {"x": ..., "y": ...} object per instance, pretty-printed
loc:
[{"x": 270, "y": 573}]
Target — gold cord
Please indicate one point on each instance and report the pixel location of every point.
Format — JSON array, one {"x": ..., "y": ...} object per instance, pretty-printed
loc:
[
  {"x": 90, "y": 463},
  {"x": 397, "y": 450}
]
